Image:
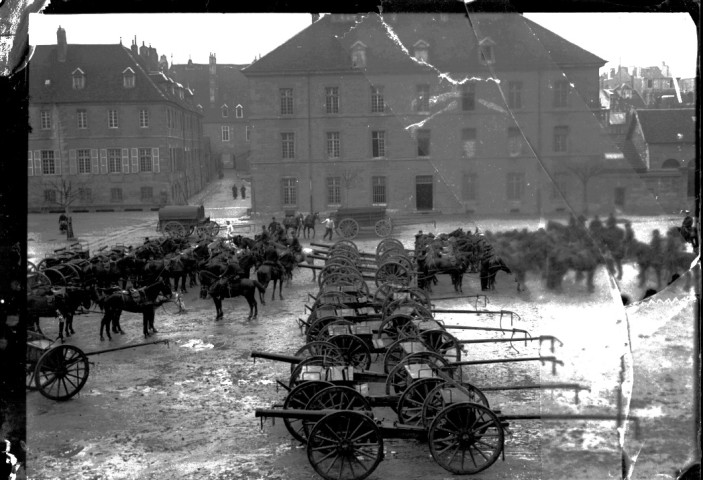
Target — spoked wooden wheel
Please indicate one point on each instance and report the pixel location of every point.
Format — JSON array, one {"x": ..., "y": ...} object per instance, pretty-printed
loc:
[
  {"x": 445, "y": 394},
  {"x": 413, "y": 398},
  {"x": 31, "y": 267},
  {"x": 317, "y": 325},
  {"x": 61, "y": 372},
  {"x": 297, "y": 399},
  {"x": 388, "y": 244},
  {"x": 394, "y": 273},
  {"x": 318, "y": 349},
  {"x": 325, "y": 333},
  {"x": 338, "y": 398},
  {"x": 346, "y": 243},
  {"x": 383, "y": 293},
  {"x": 349, "y": 228},
  {"x": 354, "y": 351},
  {"x": 407, "y": 306},
  {"x": 37, "y": 280},
  {"x": 174, "y": 230},
  {"x": 212, "y": 228},
  {"x": 392, "y": 326},
  {"x": 345, "y": 446},
  {"x": 343, "y": 270},
  {"x": 310, "y": 368},
  {"x": 466, "y": 438},
  {"x": 397, "y": 351},
  {"x": 426, "y": 363},
  {"x": 442, "y": 342},
  {"x": 384, "y": 227}
]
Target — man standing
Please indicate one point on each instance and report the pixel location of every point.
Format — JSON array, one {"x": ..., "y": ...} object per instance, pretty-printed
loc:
[
  {"x": 329, "y": 227},
  {"x": 9, "y": 463},
  {"x": 234, "y": 191},
  {"x": 244, "y": 191}
]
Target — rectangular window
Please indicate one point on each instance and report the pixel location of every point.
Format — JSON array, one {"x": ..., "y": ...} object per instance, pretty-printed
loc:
[
  {"x": 423, "y": 98},
  {"x": 85, "y": 195},
  {"x": 78, "y": 82},
  {"x": 83, "y": 160},
  {"x": 50, "y": 196},
  {"x": 48, "y": 164},
  {"x": 286, "y": 101},
  {"x": 515, "y": 186},
  {"x": 514, "y": 142},
  {"x": 147, "y": 193},
  {"x": 559, "y": 185},
  {"x": 561, "y": 94},
  {"x": 128, "y": 80},
  {"x": 290, "y": 191},
  {"x": 116, "y": 194},
  {"x": 515, "y": 94},
  {"x": 378, "y": 144},
  {"x": 144, "y": 118},
  {"x": 225, "y": 133},
  {"x": 423, "y": 143},
  {"x": 334, "y": 196},
  {"x": 332, "y": 144},
  {"x": 82, "y": 119},
  {"x": 45, "y": 120},
  {"x": 378, "y": 190},
  {"x": 468, "y": 96},
  {"x": 114, "y": 160},
  {"x": 332, "y": 99},
  {"x": 112, "y": 120},
  {"x": 288, "y": 145},
  {"x": 247, "y": 133},
  {"x": 469, "y": 187},
  {"x": 378, "y": 105},
  {"x": 468, "y": 142},
  {"x": 561, "y": 139},
  {"x": 145, "y": 162}
]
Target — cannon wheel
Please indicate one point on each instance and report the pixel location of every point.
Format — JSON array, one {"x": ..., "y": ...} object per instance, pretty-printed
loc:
[
  {"x": 466, "y": 438},
  {"x": 297, "y": 399},
  {"x": 61, "y": 372},
  {"x": 442, "y": 342},
  {"x": 383, "y": 227},
  {"x": 338, "y": 398},
  {"x": 36, "y": 280},
  {"x": 395, "y": 353},
  {"x": 392, "y": 325},
  {"x": 318, "y": 349},
  {"x": 317, "y": 326},
  {"x": 31, "y": 267},
  {"x": 394, "y": 273},
  {"x": 413, "y": 398},
  {"x": 345, "y": 243},
  {"x": 212, "y": 228},
  {"x": 345, "y": 445},
  {"x": 349, "y": 228},
  {"x": 174, "y": 229},
  {"x": 354, "y": 350},
  {"x": 397, "y": 380},
  {"x": 434, "y": 401},
  {"x": 314, "y": 361}
]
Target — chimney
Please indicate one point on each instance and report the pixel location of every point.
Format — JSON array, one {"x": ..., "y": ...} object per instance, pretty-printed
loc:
[
  {"x": 163, "y": 63},
  {"x": 144, "y": 52},
  {"x": 213, "y": 64},
  {"x": 315, "y": 17},
  {"x": 61, "y": 44},
  {"x": 153, "y": 59},
  {"x": 134, "y": 48}
]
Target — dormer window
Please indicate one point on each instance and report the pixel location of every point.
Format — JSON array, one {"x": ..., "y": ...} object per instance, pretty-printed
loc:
[
  {"x": 128, "y": 78},
  {"x": 239, "y": 111},
  {"x": 485, "y": 49},
  {"x": 421, "y": 50},
  {"x": 225, "y": 111},
  {"x": 78, "y": 79},
  {"x": 359, "y": 55}
]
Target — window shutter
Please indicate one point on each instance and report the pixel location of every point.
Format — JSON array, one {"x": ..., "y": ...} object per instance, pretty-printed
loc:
[
  {"x": 57, "y": 162},
  {"x": 125, "y": 160},
  {"x": 135, "y": 161},
  {"x": 72, "y": 165},
  {"x": 155, "y": 159},
  {"x": 94, "y": 162},
  {"x": 37, "y": 162},
  {"x": 30, "y": 164},
  {"x": 103, "y": 160}
]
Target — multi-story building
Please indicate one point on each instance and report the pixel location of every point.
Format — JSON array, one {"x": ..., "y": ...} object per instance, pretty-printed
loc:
[
  {"x": 109, "y": 130},
  {"x": 420, "y": 112},
  {"x": 222, "y": 91},
  {"x": 654, "y": 84}
]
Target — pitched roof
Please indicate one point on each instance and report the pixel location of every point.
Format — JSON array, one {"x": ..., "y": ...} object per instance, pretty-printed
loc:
[
  {"x": 668, "y": 125},
  {"x": 232, "y": 87},
  {"x": 518, "y": 44},
  {"x": 103, "y": 66}
]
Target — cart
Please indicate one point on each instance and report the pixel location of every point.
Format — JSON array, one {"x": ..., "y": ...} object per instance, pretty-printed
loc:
[
  {"x": 59, "y": 371},
  {"x": 184, "y": 220},
  {"x": 350, "y": 221}
]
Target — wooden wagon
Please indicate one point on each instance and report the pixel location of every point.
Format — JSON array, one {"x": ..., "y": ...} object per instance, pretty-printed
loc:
[
  {"x": 184, "y": 220},
  {"x": 350, "y": 221}
]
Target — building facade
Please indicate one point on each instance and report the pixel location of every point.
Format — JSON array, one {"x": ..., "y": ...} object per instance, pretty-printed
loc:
[
  {"x": 222, "y": 91},
  {"x": 422, "y": 113},
  {"x": 109, "y": 130}
]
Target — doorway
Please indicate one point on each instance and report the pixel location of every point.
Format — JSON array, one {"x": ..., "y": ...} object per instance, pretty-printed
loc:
[
  {"x": 423, "y": 192},
  {"x": 619, "y": 197}
]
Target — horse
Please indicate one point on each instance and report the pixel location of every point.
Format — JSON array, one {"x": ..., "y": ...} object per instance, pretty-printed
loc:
[
  {"x": 143, "y": 300},
  {"x": 228, "y": 288},
  {"x": 309, "y": 224},
  {"x": 489, "y": 269},
  {"x": 64, "y": 300},
  {"x": 270, "y": 271}
]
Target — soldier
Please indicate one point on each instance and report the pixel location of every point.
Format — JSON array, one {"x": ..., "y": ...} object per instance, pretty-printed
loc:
[
  {"x": 234, "y": 191},
  {"x": 244, "y": 191}
]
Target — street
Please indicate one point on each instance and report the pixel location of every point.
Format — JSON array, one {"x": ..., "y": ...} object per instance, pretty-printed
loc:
[{"x": 186, "y": 410}]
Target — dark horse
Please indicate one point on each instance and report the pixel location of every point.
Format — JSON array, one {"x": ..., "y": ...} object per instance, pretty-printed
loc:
[
  {"x": 64, "y": 300},
  {"x": 144, "y": 301},
  {"x": 219, "y": 289},
  {"x": 489, "y": 269},
  {"x": 309, "y": 223},
  {"x": 270, "y": 271}
]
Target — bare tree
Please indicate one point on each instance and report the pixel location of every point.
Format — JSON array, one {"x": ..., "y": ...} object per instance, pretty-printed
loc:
[
  {"x": 585, "y": 169},
  {"x": 350, "y": 178},
  {"x": 64, "y": 194}
]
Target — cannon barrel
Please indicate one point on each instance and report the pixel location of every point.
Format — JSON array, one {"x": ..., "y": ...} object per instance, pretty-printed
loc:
[
  {"x": 312, "y": 415},
  {"x": 277, "y": 357}
]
